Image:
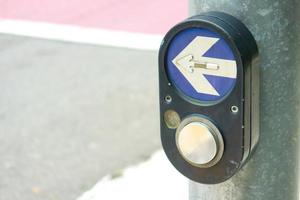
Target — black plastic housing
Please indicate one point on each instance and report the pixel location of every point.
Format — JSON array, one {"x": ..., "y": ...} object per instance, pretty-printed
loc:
[{"x": 240, "y": 130}]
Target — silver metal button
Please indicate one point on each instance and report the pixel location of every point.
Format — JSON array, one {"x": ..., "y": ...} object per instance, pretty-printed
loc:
[{"x": 199, "y": 142}]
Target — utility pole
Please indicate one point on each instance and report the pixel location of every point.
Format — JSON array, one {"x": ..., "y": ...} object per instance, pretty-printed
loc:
[{"x": 272, "y": 171}]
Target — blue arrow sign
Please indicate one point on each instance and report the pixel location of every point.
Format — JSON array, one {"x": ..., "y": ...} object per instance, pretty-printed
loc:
[{"x": 201, "y": 64}]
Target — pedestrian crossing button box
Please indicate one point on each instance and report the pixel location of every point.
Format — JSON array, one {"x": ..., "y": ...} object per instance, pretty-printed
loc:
[{"x": 209, "y": 96}]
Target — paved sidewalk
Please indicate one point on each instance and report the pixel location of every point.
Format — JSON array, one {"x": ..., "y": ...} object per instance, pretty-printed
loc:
[
  {"x": 71, "y": 114},
  {"x": 155, "y": 179}
]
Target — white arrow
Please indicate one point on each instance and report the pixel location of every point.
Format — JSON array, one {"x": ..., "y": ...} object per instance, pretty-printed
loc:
[{"x": 192, "y": 64}]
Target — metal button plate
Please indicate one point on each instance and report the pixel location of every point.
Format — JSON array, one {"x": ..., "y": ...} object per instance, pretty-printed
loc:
[{"x": 199, "y": 141}]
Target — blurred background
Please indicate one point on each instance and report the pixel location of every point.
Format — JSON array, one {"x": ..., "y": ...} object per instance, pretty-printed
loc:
[{"x": 79, "y": 100}]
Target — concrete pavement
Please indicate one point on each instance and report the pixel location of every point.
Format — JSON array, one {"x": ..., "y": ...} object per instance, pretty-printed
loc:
[{"x": 72, "y": 113}]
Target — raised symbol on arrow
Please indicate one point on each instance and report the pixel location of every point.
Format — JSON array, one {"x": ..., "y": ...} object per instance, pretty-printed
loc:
[{"x": 193, "y": 65}]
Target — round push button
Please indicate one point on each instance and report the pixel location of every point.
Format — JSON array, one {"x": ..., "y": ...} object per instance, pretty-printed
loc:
[{"x": 199, "y": 142}]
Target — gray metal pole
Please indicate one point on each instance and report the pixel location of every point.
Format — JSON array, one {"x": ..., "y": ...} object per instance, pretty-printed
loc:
[{"x": 272, "y": 172}]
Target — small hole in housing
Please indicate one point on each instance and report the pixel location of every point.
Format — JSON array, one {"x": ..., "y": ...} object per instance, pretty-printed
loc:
[
  {"x": 168, "y": 99},
  {"x": 234, "y": 109}
]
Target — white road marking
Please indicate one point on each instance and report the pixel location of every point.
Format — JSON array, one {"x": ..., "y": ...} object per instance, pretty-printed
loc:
[
  {"x": 154, "y": 179},
  {"x": 81, "y": 34},
  {"x": 192, "y": 64}
]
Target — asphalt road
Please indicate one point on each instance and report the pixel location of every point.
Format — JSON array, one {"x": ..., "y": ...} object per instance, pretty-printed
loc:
[{"x": 72, "y": 113}]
